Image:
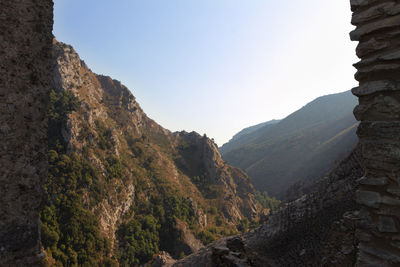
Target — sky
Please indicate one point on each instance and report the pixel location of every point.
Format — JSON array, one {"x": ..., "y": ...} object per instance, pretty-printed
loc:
[{"x": 214, "y": 66}]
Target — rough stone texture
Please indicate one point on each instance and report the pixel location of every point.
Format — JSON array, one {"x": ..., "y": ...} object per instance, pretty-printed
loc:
[
  {"x": 25, "y": 74},
  {"x": 317, "y": 229},
  {"x": 377, "y": 30}
]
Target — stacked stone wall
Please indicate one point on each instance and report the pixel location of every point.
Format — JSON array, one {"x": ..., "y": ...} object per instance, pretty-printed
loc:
[{"x": 378, "y": 72}]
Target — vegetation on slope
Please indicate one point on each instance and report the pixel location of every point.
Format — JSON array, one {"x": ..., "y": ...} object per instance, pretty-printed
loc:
[
  {"x": 266, "y": 201},
  {"x": 70, "y": 231},
  {"x": 121, "y": 188}
]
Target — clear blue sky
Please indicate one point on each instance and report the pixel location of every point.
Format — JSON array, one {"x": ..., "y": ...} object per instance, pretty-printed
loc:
[{"x": 214, "y": 66}]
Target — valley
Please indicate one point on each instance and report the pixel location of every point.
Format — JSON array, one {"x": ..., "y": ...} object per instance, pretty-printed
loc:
[{"x": 122, "y": 188}]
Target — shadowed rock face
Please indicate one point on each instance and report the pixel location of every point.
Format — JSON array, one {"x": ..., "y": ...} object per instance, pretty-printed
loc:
[
  {"x": 25, "y": 74},
  {"x": 378, "y": 32},
  {"x": 318, "y": 229}
]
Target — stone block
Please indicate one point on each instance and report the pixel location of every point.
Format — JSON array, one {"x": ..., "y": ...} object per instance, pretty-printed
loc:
[
  {"x": 383, "y": 254},
  {"x": 356, "y": 4},
  {"x": 369, "y": 198},
  {"x": 370, "y": 46},
  {"x": 364, "y": 29},
  {"x": 373, "y": 181},
  {"x": 387, "y": 225},
  {"x": 374, "y": 12},
  {"x": 373, "y": 87}
]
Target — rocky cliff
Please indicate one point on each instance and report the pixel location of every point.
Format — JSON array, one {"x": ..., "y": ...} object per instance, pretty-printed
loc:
[
  {"x": 25, "y": 74},
  {"x": 143, "y": 187}
]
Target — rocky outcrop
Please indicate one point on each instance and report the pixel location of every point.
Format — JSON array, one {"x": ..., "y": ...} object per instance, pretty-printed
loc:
[
  {"x": 378, "y": 72},
  {"x": 189, "y": 244},
  {"x": 114, "y": 207},
  {"x": 305, "y": 232},
  {"x": 202, "y": 155},
  {"x": 163, "y": 260},
  {"x": 149, "y": 165},
  {"x": 25, "y": 73}
]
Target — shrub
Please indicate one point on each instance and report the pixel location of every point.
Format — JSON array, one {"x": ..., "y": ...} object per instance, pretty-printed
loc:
[{"x": 266, "y": 201}]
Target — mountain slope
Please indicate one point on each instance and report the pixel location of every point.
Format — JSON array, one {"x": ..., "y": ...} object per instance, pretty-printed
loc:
[
  {"x": 317, "y": 229},
  {"x": 121, "y": 187},
  {"x": 246, "y": 135},
  {"x": 302, "y": 146}
]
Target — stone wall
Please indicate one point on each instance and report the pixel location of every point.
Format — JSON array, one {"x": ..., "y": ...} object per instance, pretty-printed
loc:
[
  {"x": 25, "y": 73},
  {"x": 378, "y": 32}
]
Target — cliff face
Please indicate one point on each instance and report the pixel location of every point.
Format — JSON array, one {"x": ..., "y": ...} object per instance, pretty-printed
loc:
[
  {"x": 25, "y": 72},
  {"x": 137, "y": 175},
  {"x": 377, "y": 30}
]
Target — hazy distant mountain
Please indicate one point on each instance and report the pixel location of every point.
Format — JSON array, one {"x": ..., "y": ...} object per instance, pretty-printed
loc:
[
  {"x": 303, "y": 146},
  {"x": 245, "y": 135}
]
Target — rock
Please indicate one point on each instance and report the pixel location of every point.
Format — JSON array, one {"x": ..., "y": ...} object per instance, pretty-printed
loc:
[
  {"x": 371, "y": 181},
  {"x": 368, "y": 198},
  {"x": 376, "y": 11},
  {"x": 387, "y": 225},
  {"x": 367, "y": 61},
  {"x": 235, "y": 244},
  {"x": 374, "y": 87},
  {"x": 370, "y": 46},
  {"x": 396, "y": 244},
  {"x": 394, "y": 191},
  {"x": 381, "y": 253},
  {"x": 362, "y": 236},
  {"x": 357, "y": 4},
  {"x": 188, "y": 242},
  {"x": 163, "y": 259},
  {"x": 371, "y": 27},
  {"x": 390, "y": 201},
  {"x": 378, "y": 68}
]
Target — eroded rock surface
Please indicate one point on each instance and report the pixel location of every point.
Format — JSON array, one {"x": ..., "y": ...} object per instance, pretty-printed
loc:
[{"x": 25, "y": 74}]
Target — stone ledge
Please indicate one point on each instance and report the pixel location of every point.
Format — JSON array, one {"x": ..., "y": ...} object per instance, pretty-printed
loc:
[
  {"x": 372, "y": 87},
  {"x": 374, "y": 12},
  {"x": 365, "y": 29}
]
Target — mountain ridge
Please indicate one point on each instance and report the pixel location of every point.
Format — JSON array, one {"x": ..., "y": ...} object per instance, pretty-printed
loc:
[
  {"x": 302, "y": 146},
  {"x": 121, "y": 187}
]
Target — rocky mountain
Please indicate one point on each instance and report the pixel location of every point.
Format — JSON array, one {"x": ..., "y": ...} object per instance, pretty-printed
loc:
[
  {"x": 121, "y": 188},
  {"x": 303, "y": 146}
]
